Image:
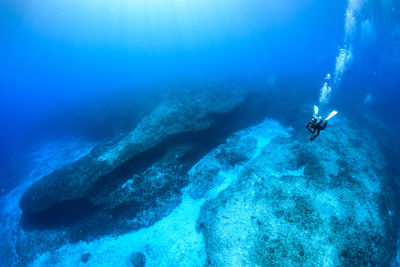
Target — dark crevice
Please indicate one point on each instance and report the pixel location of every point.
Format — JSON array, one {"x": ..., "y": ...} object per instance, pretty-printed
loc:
[
  {"x": 73, "y": 216},
  {"x": 61, "y": 214},
  {"x": 201, "y": 143}
]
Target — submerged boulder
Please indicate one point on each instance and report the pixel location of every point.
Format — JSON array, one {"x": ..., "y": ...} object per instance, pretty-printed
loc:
[
  {"x": 136, "y": 180},
  {"x": 85, "y": 257},
  {"x": 182, "y": 112},
  {"x": 138, "y": 259}
]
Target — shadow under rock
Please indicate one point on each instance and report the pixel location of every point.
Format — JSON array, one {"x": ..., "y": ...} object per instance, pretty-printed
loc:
[
  {"x": 83, "y": 220},
  {"x": 60, "y": 215}
]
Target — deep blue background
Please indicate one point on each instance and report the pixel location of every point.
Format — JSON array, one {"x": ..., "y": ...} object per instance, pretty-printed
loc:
[{"x": 70, "y": 69}]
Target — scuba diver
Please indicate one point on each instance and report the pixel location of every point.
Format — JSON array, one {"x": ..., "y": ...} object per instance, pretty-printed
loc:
[{"x": 316, "y": 125}]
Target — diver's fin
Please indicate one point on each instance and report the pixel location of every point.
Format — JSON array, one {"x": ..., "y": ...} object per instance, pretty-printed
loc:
[
  {"x": 333, "y": 113},
  {"x": 315, "y": 110}
]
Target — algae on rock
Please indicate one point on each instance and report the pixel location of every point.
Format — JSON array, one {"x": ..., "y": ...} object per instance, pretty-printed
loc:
[{"x": 304, "y": 204}]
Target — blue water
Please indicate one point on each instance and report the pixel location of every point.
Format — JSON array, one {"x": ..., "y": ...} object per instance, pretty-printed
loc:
[
  {"x": 66, "y": 54},
  {"x": 88, "y": 70}
]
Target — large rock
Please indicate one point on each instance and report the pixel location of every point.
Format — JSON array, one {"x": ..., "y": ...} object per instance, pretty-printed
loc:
[
  {"x": 273, "y": 199},
  {"x": 182, "y": 112},
  {"x": 136, "y": 180},
  {"x": 299, "y": 203},
  {"x": 138, "y": 259}
]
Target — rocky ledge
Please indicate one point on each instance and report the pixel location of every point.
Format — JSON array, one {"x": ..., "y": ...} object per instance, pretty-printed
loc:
[
  {"x": 226, "y": 186},
  {"x": 300, "y": 203},
  {"x": 136, "y": 180}
]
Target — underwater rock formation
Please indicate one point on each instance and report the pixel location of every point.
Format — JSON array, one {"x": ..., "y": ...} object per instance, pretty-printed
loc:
[
  {"x": 258, "y": 193},
  {"x": 138, "y": 259},
  {"x": 304, "y": 204},
  {"x": 85, "y": 257},
  {"x": 134, "y": 181},
  {"x": 183, "y": 113}
]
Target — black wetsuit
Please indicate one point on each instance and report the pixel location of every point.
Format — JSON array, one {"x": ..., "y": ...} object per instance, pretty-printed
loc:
[{"x": 316, "y": 127}]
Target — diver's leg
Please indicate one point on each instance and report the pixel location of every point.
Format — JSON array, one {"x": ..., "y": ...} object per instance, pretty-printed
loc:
[{"x": 315, "y": 135}]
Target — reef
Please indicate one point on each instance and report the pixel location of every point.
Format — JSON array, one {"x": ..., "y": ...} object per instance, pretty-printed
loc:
[
  {"x": 136, "y": 180},
  {"x": 299, "y": 203},
  {"x": 209, "y": 179}
]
